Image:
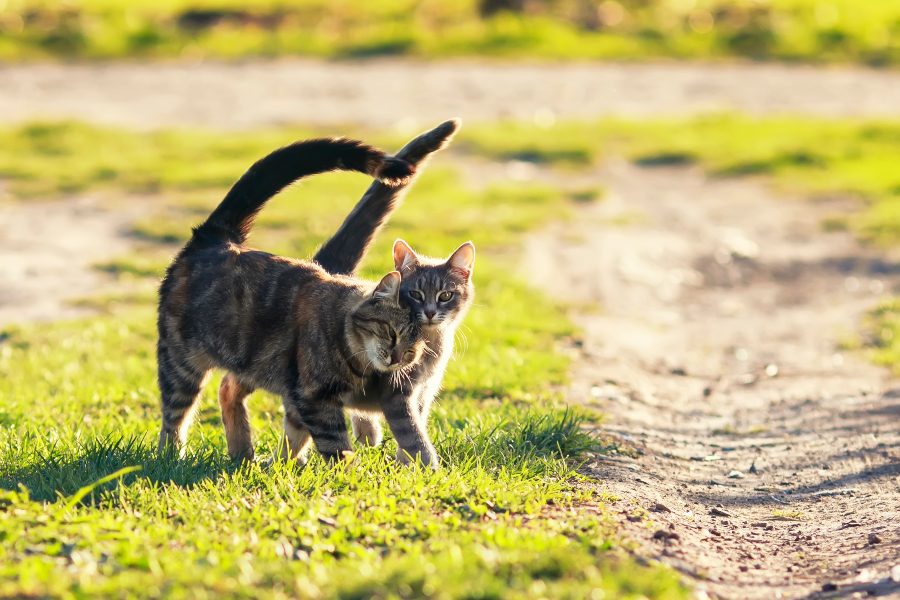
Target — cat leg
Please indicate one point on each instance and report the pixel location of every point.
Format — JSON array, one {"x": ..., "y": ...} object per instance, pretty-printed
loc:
[
  {"x": 233, "y": 402},
  {"x": 180, "y": 385},
  {"x": 367, "y": 429},
  {"x": 296, "y": 441},
  {"x": 423, "y": 403},
  {"x": 402, "y": 414},
  {"x": 323, "y": 419}
]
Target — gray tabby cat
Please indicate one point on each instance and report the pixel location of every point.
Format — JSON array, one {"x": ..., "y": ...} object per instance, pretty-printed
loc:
[{"x": 439, "y": 294}]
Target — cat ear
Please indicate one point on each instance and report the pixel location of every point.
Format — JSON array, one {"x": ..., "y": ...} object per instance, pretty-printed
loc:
[
  {"x": 463, "y": 260},
  {"x": 388, "y": 287},
  {"x": 404, "y": 256}
]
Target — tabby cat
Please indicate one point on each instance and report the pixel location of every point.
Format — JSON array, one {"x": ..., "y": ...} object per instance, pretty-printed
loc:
[
  {"x": 439, "y": 293},
  {"x": 284, "y": 325}
]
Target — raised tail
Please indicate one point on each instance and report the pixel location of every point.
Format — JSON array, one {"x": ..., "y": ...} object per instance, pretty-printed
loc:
[
  {"x": 345, "y": 250},
  {"x": 233, "y": 218}
]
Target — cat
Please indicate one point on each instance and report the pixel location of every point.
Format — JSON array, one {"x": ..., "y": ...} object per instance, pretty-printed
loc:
[
  {"x": 280, "y": 324},
  {"x": 346, "y": 249},
  {"x": 439, "y": 293}
]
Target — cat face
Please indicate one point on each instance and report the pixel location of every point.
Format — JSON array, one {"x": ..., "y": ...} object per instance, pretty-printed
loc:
[
  {"x": 437, "y": 292},
  {"x": 390, "y": 341}
]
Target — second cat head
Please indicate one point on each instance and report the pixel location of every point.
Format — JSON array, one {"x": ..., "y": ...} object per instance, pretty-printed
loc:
[{"x": 437, "y": 291}]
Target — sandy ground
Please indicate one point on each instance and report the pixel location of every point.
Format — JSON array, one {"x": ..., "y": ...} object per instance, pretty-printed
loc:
[
  {"x": 769, "y": 460},
  {"x": 393, "y": 92},
  {"x": 47, "y": 253}
]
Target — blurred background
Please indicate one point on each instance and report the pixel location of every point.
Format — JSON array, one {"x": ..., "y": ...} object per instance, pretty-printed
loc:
[
  {"x": 687, "y": 214},
  {"x": 813, "y": 31}
]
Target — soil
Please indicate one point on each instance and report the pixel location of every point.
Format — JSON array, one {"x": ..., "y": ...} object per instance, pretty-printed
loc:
[
  {"x": 760, "y": 459},
  {"x": 382, "y": 93},
  {"x": 47, "y": 253}
]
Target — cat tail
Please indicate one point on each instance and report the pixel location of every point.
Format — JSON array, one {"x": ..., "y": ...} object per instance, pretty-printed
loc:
[
  {"x": 345, "y": 250},
  {"x": 233, "y": 218}
]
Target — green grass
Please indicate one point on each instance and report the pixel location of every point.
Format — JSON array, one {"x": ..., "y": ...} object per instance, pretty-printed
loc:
[
  {"x": 881, "y": 334},
  {"x": 80, "y": 402},
  {"x": 808, "y": 156},
  {"x": 793, "y": 30},
  {"x": 80, "y": 409}
]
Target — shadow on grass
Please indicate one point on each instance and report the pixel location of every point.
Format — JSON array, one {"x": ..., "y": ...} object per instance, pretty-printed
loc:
[
  {"x": 63, "y": 473},
  {"x": 529, "y": 444},
  {"x": 666, "y": 159}
]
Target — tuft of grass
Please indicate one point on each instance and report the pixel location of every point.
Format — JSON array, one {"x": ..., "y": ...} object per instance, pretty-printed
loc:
[
  {"x": 788, "y": 515},
  {"x": 881, "y": 334}
]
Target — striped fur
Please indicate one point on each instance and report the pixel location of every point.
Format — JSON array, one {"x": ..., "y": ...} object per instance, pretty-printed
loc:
[{"x": 283, "y": 325}]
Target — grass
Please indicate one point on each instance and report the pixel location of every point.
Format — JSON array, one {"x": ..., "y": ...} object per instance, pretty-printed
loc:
[
  {"x": 792, "y": 30},
  {"x": 881, "y": 334},
  {"x": 788, "y": 515},
  {"x": 87, "y": 509},
  {"x": 808, "y": 156}
]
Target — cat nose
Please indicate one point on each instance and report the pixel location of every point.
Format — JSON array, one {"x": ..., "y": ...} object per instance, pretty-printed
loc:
[
  {"x": 430, "y": 314},
  {"x": 396, "y": 356}
]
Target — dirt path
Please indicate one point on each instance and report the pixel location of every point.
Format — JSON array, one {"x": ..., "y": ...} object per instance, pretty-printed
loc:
[
  {"x": 47, "y": 250},
  {"x": 387, "y": 92},
  {"x": 770, "y": 460}
]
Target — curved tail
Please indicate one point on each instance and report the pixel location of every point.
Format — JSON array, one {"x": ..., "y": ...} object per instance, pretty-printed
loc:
[
  {"x": 345, "y": 250},
  {"x": 233, "y": 218}
]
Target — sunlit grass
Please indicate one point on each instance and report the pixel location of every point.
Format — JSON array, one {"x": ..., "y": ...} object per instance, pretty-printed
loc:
[
  {"x": 881, "y": 334},
  {"x": 80, "y": 401},
  {"x": 80, "y": 404},
  {"x": 796, "y": 30}
]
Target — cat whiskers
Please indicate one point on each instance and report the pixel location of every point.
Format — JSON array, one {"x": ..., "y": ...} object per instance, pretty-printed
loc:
[
  {"x": 429, "y": 350},
  {"x": 465, "y": 339}
]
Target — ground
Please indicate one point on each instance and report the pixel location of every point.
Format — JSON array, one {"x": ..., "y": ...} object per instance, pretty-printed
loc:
[
  {"x": 766, "y": 458},
  {"x": 755, "y": 451},
  {"x": 385, "y": 93}
]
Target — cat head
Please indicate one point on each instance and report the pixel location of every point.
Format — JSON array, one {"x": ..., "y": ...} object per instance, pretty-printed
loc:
[
  {"x": 438, "y": 292},
  {"x": 387, "y": 338}
]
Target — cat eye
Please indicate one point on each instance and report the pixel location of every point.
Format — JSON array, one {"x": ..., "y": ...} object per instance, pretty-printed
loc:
[
  {"x": 417, "y": 295},
  {"x": 445, "y": 296}
]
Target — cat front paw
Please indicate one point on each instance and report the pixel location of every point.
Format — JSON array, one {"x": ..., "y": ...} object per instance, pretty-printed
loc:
[{"x": 425, "y": 457}]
